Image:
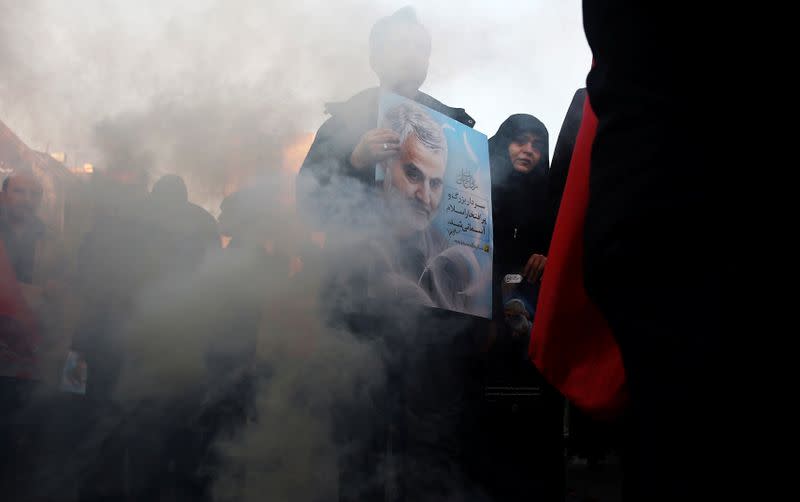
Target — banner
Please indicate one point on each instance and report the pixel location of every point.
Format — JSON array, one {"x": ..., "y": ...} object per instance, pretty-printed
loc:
[{"x": 438, "y": 196}]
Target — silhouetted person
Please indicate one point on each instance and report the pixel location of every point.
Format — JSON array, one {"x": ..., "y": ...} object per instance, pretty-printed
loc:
[
  {"x": 183, "y": 232},
  {"x": 115, "y": 266}
]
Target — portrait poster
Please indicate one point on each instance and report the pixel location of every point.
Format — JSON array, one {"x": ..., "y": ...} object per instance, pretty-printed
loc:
[{"x": 437, "y": 188}]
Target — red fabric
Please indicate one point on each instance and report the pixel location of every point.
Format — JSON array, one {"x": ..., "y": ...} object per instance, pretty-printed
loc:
[
  {"x": 571, "y": 343},
  {"x": 19, "y": 340}
]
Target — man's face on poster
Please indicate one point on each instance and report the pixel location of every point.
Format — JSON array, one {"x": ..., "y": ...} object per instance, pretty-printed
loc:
[{"x": 414, "y": 184}]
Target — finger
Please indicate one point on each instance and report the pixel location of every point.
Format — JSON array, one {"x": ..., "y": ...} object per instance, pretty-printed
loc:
[
  {"x": 527, "y": 270},
  {"x": 389, "y": 148},
  {"x": 537, "y": 274},
  {"x": 536, "y": 267},
  {"x": 385, "y": 154},
  {"x": 381, "y": 135},
  {"x": 540, "y": 268},
  {"x": 379, "y": 141},
  {"x": 379, "y": 146}
]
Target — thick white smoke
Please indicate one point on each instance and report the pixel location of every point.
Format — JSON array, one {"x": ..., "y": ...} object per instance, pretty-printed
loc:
[{"x": 203, "y": 87}]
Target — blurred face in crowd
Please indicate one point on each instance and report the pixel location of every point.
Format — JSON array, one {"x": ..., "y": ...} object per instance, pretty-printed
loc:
[
  {"x": 401, "y": 59},
  {"x": 22, "y": 197},
  {"x": 414, "y": 183},
  {"x": 526, "y": 152}
]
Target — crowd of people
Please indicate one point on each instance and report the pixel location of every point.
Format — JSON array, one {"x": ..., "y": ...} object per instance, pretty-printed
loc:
[{"x": 470, "y": 408}]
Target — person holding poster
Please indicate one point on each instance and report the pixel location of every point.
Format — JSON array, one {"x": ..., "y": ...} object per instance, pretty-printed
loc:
[{"x": 338, "y": 192}]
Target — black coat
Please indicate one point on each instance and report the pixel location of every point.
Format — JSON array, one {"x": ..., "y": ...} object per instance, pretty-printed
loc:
[{"x": 562, "y": 155}]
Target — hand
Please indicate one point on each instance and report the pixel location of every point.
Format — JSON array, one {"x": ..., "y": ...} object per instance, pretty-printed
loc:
[
  {"x": 375, "y": 145},
  {"x": 535, "y": 267}
]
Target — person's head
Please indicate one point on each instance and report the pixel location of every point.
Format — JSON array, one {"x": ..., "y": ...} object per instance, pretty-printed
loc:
[
  {"x": 21, "y": 196},
  {"x": 525, "y": 151},
  {"x": 400, "y": 49},
  {"x": 414, "y": 179},
  {"x": 170, "y": 189},
  {"x": 525, "y": 140}
]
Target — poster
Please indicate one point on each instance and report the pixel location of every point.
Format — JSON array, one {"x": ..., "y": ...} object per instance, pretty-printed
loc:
[{"x": 437, "y": 191}]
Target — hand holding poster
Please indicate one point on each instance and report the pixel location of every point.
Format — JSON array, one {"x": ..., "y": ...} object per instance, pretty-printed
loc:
[{"x": 438, "y": 194}]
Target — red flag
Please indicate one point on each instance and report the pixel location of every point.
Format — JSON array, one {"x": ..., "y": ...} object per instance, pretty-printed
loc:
[{"x": 571, "y": 343}]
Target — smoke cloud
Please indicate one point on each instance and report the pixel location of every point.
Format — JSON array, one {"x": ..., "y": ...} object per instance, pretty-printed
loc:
[{"x": 215, "y": 91}]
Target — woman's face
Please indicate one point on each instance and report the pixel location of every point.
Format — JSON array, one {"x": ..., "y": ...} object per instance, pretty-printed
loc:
[{"x": 525, "y": 151}]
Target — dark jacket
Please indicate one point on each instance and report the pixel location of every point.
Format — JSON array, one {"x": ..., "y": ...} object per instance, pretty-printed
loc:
[
  {"x": 114, "y": 266},
  {"x": 182, "y": 234},
  {"x": 519, "y": 201},
  {"x": 329, "y": 156},
  {"x": 562, "y": 155}
]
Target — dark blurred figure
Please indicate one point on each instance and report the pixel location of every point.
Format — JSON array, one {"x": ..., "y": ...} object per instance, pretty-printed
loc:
[
  {"x": 672, "y": 317},
  {"x": 183, "y": 231},
  {"x": 115, "y": 264},
  {"x": 521, "y": 449},
  {"x": 158, "y": 442},
  {"x": 234, "y": 294}
]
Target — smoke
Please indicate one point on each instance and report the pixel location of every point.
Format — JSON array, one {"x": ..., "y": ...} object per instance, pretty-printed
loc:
[
  {"x": 303, "y": 371},
  {"x": 212, "y": 141},
  {"x": 315, "y": 377},
  {"x": 195, "y": 88},
  {"x": 67, "y": 67},
  {"x": 214, "y": 91}
]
